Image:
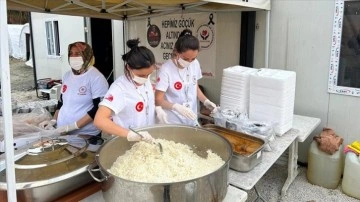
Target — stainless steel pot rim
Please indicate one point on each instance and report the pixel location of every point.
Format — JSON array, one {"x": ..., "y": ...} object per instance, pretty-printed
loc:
[
  {"x": 226, "y": 164},
  {"x": 33, "y": 184}
]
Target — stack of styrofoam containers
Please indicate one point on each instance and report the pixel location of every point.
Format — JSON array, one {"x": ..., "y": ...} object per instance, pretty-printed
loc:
[
  {"x": 235, "y": 87},
  {"x": 272, "y": 97}
]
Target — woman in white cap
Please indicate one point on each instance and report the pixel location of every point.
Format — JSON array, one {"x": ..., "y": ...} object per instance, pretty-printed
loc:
[
  {"x": 81, "y": 91},
  {"x": 130, "y": 103},
  {"x": 177, "y": 87}
]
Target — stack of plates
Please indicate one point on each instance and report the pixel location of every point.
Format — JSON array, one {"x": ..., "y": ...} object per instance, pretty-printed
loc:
[
  {"x": 272, "y": 97},
  {"x": 235, "y": 87}
]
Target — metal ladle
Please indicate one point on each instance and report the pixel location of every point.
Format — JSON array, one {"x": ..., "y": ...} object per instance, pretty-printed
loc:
[{"x": 158, "y": 143}]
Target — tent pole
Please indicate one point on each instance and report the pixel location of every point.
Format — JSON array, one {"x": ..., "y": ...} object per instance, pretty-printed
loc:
[
  {"x": 6, "y": 104},
  {"x": 267, "y": 39},
  {"x": 33, "y": 56},
  {"x": 126, "y": 34}
]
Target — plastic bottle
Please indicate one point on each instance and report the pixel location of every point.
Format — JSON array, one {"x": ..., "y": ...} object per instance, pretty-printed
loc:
[
  {"x": 324, "y": 169},
  {"x": 351, "y": 178}
]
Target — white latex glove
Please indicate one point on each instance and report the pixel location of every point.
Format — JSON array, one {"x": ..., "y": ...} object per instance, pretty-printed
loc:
[
  {"x": 216, "y": 109},
  {"x": 161, "y": 115},
  {"x": 47, "y": 125},
  {"x": 186, "y": 112},
  {"x": 210, "y": 105},
  {"x": 67, "y": 128},
  {"x": 131, "y": 136}
]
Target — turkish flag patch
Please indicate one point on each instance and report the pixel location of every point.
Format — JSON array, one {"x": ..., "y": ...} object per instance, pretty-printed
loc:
[
  {"x": 178, "y": 85},
  {"x": 139, "y": 106}
]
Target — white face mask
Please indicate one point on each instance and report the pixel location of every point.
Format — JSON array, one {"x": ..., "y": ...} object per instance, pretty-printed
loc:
[
  {"x": 184, "y": 63},
  {"x": 76, "y": 63},
  {"x": 140, "y": 80}
]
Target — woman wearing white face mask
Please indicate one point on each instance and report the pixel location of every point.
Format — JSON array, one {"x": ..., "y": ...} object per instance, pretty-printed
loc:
[
  {"x": 81, "y": 91},
  {"x": 129, "y": 103},
  {"x": 177, "y": 88}
]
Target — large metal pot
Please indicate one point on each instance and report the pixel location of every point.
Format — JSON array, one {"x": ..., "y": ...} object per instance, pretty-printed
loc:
[
  {"x": 50, "y": 173},
  {"x": 210, "y": 187}
]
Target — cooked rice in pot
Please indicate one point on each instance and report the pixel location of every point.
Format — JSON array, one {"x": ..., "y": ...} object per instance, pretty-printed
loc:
[{"x": 144, "y": 163}]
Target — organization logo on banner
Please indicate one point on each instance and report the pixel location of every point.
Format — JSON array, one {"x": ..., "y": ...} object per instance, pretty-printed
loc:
[
  {"x": 205, "y": 34},
  {"x": 153, "y": 36}
]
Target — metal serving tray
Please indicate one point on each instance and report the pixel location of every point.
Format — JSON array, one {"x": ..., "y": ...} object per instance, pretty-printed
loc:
[{"x": 247, "y": 149}]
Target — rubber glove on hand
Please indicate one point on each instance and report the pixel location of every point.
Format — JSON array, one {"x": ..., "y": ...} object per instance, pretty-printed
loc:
[
  {"x": 161, "y": 115},
  {"x": 145, "y": 136},
  {"x": 48, "y": 125},
  {"x": 210, "y": 105},
  {"x": 185, "y": 111},
  {"x": 67, "y": 128}
]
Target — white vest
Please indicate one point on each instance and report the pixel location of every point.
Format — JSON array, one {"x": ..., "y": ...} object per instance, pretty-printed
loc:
[
  {"x": 180, "y": 86},
  {"x": 132, "y": 106},
  {"x": 78, "y": 92}
]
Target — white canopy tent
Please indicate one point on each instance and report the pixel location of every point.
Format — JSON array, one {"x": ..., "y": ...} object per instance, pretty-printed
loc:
[
  {"x": 130, "y": 9},
  {"x": 109, "y": 9}
]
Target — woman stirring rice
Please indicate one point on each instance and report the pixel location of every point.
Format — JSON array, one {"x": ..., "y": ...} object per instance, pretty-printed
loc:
[{"x": 129, "y": 103}]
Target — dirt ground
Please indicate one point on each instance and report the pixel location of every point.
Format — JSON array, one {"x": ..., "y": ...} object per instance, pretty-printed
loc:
[{"x": 22, "y": 82}]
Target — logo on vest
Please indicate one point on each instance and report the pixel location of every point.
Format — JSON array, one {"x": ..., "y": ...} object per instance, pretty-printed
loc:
[
  {"x": 64, "y": 88},
  {"x": 82, "y": 90},
  {"x": 139, "y": 106},
  {"x": 194, "y": 80},
  {"x": 178, "y": 85},
  {"x": 110, "y": 98}
]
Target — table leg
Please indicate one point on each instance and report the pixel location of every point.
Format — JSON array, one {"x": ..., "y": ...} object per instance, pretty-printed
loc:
[
  {"x": 258, "y": 195},
  {"x": 292, "y": 167}
]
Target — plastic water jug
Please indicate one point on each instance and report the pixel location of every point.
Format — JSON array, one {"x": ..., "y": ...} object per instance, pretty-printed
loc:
[
  {"x": 351, "y": 178},
  {"x": 324, "y": 169}
]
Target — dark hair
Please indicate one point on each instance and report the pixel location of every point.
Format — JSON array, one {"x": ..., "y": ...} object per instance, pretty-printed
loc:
[
  {"x": 139, "y": 57},
  {"x": 186, "y": 41}
]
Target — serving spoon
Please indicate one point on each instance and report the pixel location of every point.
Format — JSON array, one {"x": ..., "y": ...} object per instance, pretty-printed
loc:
[{"x": 158, "y": 143}]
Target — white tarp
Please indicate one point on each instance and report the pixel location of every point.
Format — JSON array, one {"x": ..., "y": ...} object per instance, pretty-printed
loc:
[{"x": 17, "y": 40}]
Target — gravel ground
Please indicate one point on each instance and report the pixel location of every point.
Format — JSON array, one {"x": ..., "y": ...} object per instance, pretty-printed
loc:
[
  {"x": 299, "y": 191},
  {"x": 22, "y": 82}
]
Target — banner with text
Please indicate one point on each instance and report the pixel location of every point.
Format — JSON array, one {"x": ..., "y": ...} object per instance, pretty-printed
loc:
[{"x": 163, "y": 31}]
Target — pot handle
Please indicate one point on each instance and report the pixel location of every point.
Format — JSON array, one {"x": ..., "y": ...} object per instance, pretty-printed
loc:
[{"x": 93, "y": 167}]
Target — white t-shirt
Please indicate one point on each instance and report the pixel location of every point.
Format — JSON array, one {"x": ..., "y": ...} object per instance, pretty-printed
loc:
[
  {"x": 180, "y": 86},
  {"x": 78, "y": 92},
  {"x": 132, "y": 106}
]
